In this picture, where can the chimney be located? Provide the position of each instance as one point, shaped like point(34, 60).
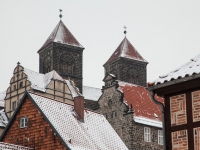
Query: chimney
point(79, 107)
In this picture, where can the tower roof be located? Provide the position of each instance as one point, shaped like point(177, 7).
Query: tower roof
point(126, 50)
point(62, 35)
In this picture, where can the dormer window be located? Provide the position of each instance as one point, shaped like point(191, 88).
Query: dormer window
point(23, 122)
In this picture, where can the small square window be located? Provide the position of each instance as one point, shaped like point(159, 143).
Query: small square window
point(147, 134)
point(160, 137)
point(14, 105)
point(23, 122)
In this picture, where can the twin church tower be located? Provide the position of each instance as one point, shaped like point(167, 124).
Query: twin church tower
point(63, 53)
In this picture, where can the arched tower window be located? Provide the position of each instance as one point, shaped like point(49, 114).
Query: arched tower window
point(47, 64)
point(133, 76)
point(66, 65)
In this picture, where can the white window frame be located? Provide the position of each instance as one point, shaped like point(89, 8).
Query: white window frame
point(160, 137)
point(147, 134)
point(23, 122)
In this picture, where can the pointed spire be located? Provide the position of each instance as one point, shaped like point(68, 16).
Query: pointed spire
point(126, 50)
point(62, 35)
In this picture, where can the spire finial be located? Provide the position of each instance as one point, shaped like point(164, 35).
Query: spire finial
point(125, 30)
point(60, 13)
point(18, 63)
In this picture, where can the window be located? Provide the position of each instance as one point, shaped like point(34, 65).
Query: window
point(105, 116)
point(20, 84)
point(114, 114)
point(14, 87)
point(160, 137)
point(147, 134)
point(23, 122)
point(14, 105)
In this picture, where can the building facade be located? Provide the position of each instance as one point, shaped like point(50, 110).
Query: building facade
point(181, 91)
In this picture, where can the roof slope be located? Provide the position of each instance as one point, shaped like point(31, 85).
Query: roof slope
point(144, 108)
point(94, 133)
point(126, 50)
point(188, 69)
point(62, 35)
point(91, 93)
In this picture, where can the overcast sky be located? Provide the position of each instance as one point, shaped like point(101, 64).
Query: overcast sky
point(165, 33)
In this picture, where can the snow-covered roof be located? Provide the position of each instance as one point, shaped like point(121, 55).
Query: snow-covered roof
point(126, 50)
point(188, 69)
point(147, 121)
point(3, 118)
point(62, 35)
point(74, 90)
point(2, 97)
point(94, 133)
point(40, 81)
point(8, 146)
point(91, 93)
point(143, 106)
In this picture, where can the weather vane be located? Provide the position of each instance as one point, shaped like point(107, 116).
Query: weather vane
point(125, 30)
point(60, 13)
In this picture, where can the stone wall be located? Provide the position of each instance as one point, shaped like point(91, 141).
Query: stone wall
point(131, 133)
point(128, 70)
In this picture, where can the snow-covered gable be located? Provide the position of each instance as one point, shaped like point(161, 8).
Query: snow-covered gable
point(145, 111)
point(94, 133)
point(40, 81)
point(126, 50)
point(188, 69)
point(91, 93)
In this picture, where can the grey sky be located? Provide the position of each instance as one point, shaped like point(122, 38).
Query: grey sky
point(165, 33)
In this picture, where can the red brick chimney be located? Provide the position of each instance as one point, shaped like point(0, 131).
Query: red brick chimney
point(79, 107)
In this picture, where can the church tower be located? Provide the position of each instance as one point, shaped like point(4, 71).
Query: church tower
point(127, 64)
point(63, 53)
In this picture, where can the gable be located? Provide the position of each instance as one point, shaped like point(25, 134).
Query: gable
point(38, 130)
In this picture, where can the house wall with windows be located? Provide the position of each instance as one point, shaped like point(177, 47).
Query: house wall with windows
point(36, 133)
point(136, 134)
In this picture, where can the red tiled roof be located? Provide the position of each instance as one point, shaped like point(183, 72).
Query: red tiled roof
point(141, 101)
point(126, 50)
point(62, 35)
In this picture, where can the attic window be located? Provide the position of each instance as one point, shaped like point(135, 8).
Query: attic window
point(14, 105)
point(23, 122)
point(20, 84)
point(14, 87)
